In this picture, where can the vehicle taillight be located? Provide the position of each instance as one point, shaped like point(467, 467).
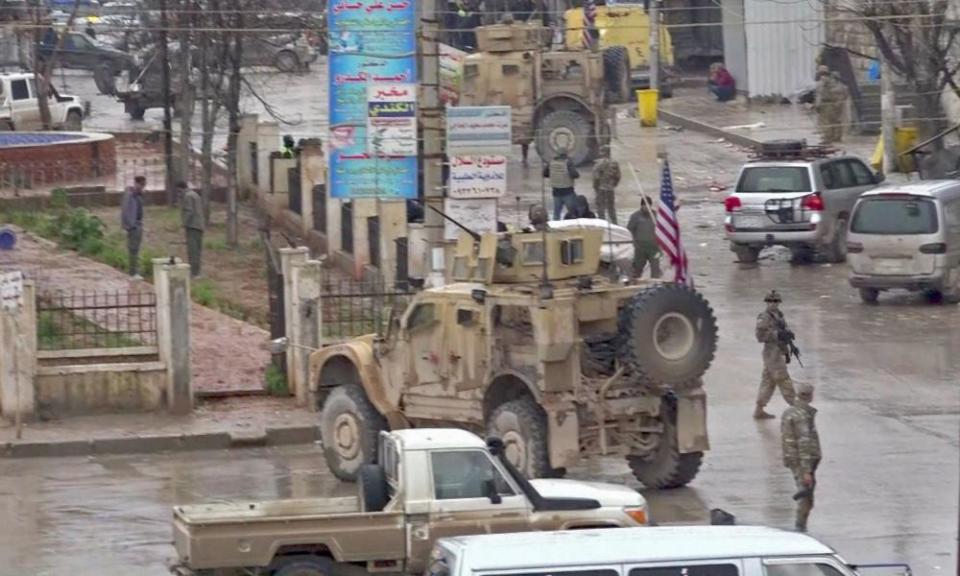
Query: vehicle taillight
point(854, 247)
point(937, 248)
point(812, 202)
point(731, 202)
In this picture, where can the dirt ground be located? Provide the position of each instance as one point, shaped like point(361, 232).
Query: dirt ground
point(233, 281)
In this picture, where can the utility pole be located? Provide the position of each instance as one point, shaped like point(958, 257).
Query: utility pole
point(654, 59)
point(431, 119)
point(888, 116)
point(167, 116)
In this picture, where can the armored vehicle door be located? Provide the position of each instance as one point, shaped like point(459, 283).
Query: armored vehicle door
point(422, 330)
point(467, 357)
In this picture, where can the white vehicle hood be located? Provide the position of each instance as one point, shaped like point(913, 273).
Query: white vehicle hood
point(612, 495)
point(617, 240)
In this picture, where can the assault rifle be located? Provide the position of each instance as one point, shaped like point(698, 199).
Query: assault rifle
point(785, 338)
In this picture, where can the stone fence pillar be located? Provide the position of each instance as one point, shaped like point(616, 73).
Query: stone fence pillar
point(18, 357)
point(172, 285)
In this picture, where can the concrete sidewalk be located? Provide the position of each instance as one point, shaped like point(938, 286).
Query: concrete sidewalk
point(748, 123)
point(228, 423)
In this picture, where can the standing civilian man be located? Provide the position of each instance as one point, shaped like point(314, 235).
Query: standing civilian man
point(192, 218)
point(131, 218)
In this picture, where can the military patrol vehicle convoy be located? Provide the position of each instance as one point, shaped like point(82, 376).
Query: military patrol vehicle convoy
point(529, 344)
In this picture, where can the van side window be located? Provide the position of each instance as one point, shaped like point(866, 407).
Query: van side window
point(861, 174)
point(802, 569)
point(951, 215)
point(688, 570)
point(463, 474)
point(19, 90)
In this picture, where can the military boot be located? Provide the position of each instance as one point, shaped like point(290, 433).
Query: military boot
point(761, 414)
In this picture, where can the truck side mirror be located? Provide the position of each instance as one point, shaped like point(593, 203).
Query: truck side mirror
point(490, 488)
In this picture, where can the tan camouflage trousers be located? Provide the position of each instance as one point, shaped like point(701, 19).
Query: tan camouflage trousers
point(830, 120)
point(805, 504)
point(606, 205)
point(771, 379)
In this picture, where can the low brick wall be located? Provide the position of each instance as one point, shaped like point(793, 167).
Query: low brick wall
point(45, 158)
point(100, 388)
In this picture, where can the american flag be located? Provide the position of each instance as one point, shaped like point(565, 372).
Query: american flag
point(668, 229)
point(589, 23)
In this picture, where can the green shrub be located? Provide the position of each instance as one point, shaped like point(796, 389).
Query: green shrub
point(204, 293)
point(276, 381)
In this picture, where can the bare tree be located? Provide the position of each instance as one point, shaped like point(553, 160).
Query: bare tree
point(43, 66)
point(916, 38)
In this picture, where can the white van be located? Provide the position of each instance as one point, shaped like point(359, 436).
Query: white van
point(907, 237)
point(654, 551)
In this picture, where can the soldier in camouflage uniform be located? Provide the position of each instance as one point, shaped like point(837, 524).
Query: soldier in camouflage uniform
point(801, 450)
point(643, 229)
point(831, 105)
point(769, 324)
point(606, 176)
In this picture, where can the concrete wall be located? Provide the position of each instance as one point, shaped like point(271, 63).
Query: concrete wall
point(735, 41)
point(99, 388)
point(783, 41)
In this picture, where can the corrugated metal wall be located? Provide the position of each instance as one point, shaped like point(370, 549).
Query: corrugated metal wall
point(783, 40)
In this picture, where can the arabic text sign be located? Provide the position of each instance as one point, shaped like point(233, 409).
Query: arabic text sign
point(479, 215)
point(478, 177)
point(372, 42)
point(451, 73)
point(478, 130)
point(392, 120)
point(11, 290)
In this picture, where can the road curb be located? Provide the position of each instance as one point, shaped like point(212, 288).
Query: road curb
point(708, 129)
point(281, 436)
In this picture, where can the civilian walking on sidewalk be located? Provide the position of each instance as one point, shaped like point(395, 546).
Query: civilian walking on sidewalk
point(192, 218)
point(562, 174)
point(131, 218)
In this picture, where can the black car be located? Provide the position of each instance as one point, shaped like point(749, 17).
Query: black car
point(78, 50)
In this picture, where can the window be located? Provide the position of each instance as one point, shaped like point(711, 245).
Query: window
point(471, 71)
point(775, 179)
point(466, 317)
point(464, 474)
point(511, 70)
point(895, 216)
point(862, 175)
point(802, 569)
point(19, 90)
point(533, 252)
point(422, 315)
point(571, 251)
point(460, 268)
point(951, 215)
point(841, 175)
point(688, 570)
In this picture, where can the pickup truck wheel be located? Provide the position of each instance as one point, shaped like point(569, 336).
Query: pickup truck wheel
point(303, 566)
point(745, 254)
point(666, 467)
point(74, 122)
point(349, 426)
point(869, 295)
point(668, 336)
point(372, 487)
point(522, 425)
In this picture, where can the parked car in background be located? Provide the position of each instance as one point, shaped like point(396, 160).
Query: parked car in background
point(21, 111)
point(907, 237)
point(653, 551)
point(795, 196)
point(78, 50)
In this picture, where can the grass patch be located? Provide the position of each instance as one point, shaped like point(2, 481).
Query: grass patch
point(276, 381)
point(61, 330)
point(205, 293)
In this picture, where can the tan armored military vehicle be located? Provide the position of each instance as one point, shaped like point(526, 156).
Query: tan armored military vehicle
point(530, 345)
point(560, 98)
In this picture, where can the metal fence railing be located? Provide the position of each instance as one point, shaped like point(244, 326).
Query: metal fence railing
point(350, 308)
point(86, 319)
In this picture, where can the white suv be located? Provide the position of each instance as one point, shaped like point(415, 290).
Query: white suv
point(797, 197)
point(19, 109)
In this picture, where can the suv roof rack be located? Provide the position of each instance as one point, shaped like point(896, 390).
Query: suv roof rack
point(790, 150)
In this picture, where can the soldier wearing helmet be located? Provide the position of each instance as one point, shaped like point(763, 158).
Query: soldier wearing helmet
point(801, 450)
point(606, 176)
point(770, 324)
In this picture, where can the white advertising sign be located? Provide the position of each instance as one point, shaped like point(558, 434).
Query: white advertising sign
point(11, 290)
point(478, 130)
point(392, 119)
point(479, 215)
point(478, 177)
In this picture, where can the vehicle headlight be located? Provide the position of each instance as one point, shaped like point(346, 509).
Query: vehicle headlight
point(637, 513)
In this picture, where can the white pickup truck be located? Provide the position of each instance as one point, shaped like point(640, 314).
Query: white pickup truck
point(20, 111)
point(429, 484)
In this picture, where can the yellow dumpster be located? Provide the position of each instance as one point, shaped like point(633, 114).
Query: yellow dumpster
point(647, 101)
point(904, 138)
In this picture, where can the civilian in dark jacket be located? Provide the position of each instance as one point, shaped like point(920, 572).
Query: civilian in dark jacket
point(131, 218)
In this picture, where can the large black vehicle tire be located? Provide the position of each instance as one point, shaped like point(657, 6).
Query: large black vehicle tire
point(349, 427)
point(372, 486)
point(134, 109)
point(105, 80)
point(669, 336)
point(616, 74)
point(667, 467)
point(74, 121)
point(522, 425)
point(746, 254)
point(570, 128)
point(303, 566)
point(837, 250)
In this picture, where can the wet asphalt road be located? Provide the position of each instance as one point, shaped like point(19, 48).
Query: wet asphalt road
point(889, 420)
